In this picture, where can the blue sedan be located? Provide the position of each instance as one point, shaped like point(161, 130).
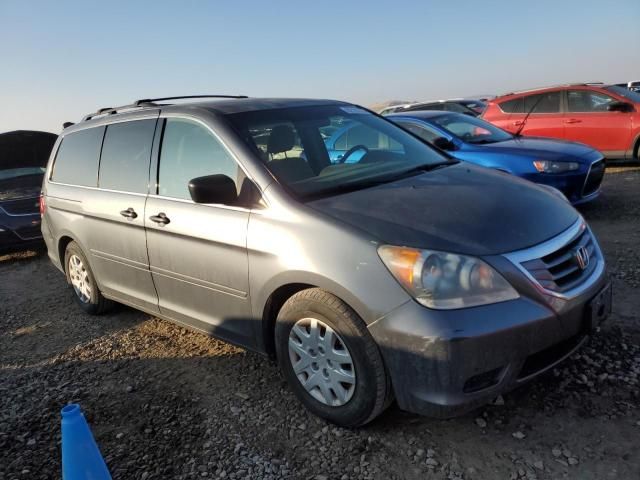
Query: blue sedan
point(573, 168)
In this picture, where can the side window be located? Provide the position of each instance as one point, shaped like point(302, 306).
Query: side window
point(588, 101)
point(189, 151)
point(513, 106)
point(543, 103)
point(76, 162)
point(126, 152)
point(421, 131)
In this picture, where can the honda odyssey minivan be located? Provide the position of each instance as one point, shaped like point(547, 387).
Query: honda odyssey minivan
point(404, 275)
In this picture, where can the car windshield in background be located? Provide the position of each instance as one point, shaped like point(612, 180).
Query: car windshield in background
point(20, 172)
point(624, 92)
point(324, 150)
point(471, 129)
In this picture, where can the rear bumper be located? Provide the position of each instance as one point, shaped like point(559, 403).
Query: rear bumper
point(19, 233)
point(445, 363)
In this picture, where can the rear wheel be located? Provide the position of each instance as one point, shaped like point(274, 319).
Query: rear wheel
point(83, 284)
point(330, 359)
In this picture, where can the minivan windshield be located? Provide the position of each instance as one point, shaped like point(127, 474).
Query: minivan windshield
point(324, 150)
point(471, 129)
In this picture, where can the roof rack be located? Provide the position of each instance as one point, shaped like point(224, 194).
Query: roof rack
point(575, 84)
point(150, 102)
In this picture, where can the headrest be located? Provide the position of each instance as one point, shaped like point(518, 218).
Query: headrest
point(281, 139)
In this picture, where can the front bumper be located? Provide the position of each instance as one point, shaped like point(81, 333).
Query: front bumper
point(445, 363)
point(579, 187)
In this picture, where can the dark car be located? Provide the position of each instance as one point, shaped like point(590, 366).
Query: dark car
point(23, 159)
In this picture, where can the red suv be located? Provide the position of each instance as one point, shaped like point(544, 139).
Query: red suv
point(606, 117)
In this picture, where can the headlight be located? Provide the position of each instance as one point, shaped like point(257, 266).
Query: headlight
point(546, 166)
point(445, 281)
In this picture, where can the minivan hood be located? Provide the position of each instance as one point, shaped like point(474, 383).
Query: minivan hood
point(540, 148)
point(461, 208)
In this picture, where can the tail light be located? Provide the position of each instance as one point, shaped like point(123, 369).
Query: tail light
point(43, 205)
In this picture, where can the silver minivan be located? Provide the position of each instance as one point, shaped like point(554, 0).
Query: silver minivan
point(394, 273)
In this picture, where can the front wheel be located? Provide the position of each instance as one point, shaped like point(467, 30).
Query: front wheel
point(82, 282)
point(330, 359)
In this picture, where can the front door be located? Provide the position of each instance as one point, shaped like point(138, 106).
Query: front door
point(587, 120)
point(198, 253)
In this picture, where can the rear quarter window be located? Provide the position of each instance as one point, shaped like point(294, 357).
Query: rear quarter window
point(76, 161)
point(512, 106)
point(126, 153)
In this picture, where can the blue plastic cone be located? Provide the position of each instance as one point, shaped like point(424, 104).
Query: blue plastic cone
point(81, 459)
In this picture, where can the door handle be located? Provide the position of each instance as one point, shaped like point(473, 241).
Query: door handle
point(129, 213)
point(573, 120)
point(160, 218)
point(517, 123)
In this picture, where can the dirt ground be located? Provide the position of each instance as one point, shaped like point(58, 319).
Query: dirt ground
point(164, 402)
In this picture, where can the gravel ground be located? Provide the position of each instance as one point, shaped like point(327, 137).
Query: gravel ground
point(164, 402)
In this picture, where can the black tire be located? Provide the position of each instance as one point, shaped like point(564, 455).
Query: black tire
point(96, 304)
point(372, 392)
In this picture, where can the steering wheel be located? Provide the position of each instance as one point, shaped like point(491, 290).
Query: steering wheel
point(355, 148)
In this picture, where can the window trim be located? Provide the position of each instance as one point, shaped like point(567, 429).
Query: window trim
point(499, 104)
point(155, 131)
point(56, 147)
point(590, 91)
point(155, 163)
point(559, 112)
point(99, 122)
point(523, 98)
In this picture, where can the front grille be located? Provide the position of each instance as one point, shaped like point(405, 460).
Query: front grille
point(559, 271)
point(594, 179)
point(24, 206)
point(27, 233)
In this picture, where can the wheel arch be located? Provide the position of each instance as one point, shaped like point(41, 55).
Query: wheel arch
point(63, 242)
point(272, 307)
point(284, 287)
point(636, 148)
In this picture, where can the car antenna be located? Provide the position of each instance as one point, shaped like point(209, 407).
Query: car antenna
point(526, 117)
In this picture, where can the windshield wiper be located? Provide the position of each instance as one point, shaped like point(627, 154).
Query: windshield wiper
point(352, 187)
point(482, 141)
point(427, 167)
point(345, 188)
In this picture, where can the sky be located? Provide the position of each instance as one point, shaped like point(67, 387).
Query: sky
point(60, 60)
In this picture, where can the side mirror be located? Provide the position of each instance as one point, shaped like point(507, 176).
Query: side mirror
point(213, 189)
point(620, 107)
point(443, 144)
